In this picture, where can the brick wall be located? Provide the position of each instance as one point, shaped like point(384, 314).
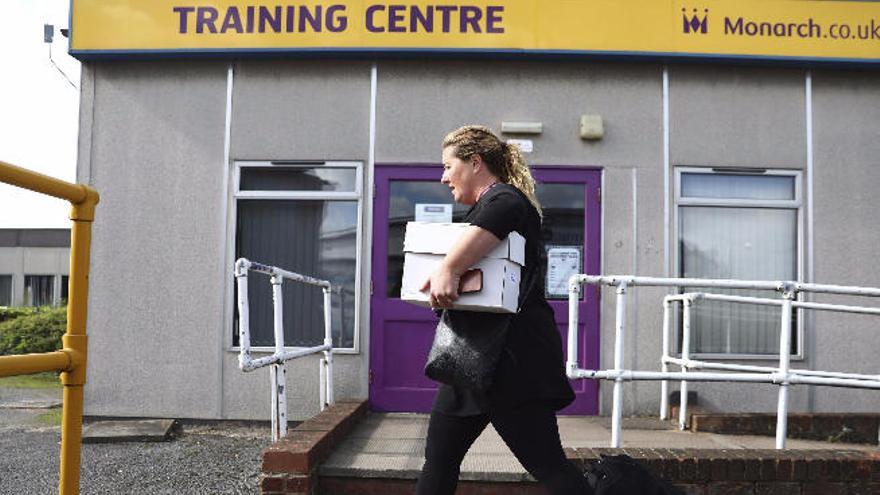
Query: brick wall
point(756, 472)
point(289, 465)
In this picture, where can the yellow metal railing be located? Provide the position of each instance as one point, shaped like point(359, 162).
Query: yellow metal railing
point(71, 360)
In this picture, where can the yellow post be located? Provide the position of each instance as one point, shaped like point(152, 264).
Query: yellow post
point(71, 360)
point(75, 341)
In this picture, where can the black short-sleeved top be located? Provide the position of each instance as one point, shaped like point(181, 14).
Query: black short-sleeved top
point(531, 365)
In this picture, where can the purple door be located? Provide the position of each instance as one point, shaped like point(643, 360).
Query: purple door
point(401, 333)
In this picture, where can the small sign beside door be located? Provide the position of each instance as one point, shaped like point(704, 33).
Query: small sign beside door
point(562, 263)
point(433, 212)
point(525, 145)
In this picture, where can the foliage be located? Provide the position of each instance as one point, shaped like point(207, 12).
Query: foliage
point(33, 330)
point(13, 312)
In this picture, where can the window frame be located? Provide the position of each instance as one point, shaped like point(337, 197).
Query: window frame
point(236, 194)
point(786, 204)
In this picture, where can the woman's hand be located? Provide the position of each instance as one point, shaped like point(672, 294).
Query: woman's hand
point(442, 287)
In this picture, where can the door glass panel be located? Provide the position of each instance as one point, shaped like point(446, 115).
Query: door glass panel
point(562, 231)
point(403, 197)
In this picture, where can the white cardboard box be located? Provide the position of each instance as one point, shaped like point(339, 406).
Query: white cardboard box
point(425, 245)
point(438, 238)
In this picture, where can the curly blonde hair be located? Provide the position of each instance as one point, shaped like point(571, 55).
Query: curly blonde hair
point(504, 160)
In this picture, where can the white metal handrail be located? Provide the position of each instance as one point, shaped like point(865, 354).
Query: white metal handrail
point(277, 371)
point(783, 375)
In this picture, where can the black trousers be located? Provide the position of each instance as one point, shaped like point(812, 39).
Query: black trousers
point(531, 433)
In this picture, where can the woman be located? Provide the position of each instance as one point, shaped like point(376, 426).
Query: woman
point(529, 384)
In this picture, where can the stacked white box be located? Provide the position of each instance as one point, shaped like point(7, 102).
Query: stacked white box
point(425, 246)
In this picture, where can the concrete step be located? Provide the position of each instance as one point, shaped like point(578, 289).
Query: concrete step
point(858, 428)
point(346, 451)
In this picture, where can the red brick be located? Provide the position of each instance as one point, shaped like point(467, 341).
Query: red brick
point(687, 468)
point(767, 468)
point(736, 468)
point(271, 484)
point(824, 488)
point(798, 469)
point(857, 469)
point(718, 468)
point(364, 486)
point(704, 468)
point(815, 470)
point(777, 488)
point(731, 488)
point(875, 466)
point(299, 484)
point(751, 466)
point(863, 488)
point(691, 488)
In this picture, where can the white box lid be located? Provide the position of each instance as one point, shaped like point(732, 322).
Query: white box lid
point(438, 238)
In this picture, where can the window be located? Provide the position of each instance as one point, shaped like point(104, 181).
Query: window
point(738, 225)
point(5, 290)
point(302, 218)
point(39, 290)
point(65, 285)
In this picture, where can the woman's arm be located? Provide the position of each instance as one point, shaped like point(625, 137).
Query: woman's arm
point(473, 244)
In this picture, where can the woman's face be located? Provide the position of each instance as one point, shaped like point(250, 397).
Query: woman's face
point(458, 175)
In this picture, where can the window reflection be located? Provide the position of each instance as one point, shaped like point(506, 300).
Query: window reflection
point(282, 233)
point(298, 178)
point(404, 195)
point(562, 227)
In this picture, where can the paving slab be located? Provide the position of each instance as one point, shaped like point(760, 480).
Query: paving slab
point(28, 398)
point(391, 445)
point(141, 430)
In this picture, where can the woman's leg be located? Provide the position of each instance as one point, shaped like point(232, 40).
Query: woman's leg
point(449, 438)
point(531, 433)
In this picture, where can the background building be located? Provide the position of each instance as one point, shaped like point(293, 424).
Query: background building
point(34, 264)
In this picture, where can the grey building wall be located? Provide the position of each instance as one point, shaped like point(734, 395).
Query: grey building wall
point(846, 108)
point(152, 142)
point(153, 148)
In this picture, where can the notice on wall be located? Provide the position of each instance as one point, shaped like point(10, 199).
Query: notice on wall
point(562, 263)
point(525, 145)
point(433, 212)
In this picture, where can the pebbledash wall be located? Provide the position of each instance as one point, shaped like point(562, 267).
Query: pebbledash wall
point(153, 142)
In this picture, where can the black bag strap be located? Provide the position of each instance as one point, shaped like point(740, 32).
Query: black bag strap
point(529, 288)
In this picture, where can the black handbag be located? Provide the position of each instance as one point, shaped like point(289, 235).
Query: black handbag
point(467, 346)
point(623, 475)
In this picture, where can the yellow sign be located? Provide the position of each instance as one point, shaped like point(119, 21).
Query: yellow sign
point(834, 31)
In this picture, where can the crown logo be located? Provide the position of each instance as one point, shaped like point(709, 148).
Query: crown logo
point(694, 24)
